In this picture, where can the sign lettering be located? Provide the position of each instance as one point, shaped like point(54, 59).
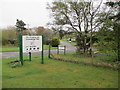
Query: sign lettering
point(32, 43)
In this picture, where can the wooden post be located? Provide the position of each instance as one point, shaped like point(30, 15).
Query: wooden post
point(64, 49)
point(58, 50)
point(49, 52)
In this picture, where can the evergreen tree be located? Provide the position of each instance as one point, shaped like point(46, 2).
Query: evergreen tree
point(20, 26)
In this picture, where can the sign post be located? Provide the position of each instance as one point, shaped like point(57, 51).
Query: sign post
point(32, 44)
point(42, 50)
point(30, 56)
point(20, 49)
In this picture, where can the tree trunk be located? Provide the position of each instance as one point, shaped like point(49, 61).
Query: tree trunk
point(79, 43)
point(91, 33)
point(117, 40)
point(85, 44)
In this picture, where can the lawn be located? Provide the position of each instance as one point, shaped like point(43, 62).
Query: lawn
point(15, 48)
point(56, 74)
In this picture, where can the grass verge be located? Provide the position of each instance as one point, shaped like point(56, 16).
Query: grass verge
point(98, 61)
point(56, 74)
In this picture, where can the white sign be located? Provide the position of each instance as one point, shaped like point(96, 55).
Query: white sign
point(61, 47)
point(32, 43)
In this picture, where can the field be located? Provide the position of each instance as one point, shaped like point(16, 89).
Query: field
point(56, 74)
point(15, 48)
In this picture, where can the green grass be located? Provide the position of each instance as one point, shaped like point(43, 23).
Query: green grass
point(8, 48)
point(82, 57)
point(97, 60)
point(15, 48)
point(56, 74)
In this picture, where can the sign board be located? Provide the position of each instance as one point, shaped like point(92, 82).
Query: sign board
point(60, 47)
point(32, 43)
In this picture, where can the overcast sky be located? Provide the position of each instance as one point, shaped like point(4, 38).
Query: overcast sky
point(32, 12)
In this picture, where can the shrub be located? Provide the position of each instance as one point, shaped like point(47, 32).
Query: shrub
point(55, 42)
point(8, 35)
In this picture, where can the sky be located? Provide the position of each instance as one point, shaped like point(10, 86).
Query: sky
point(32, 12)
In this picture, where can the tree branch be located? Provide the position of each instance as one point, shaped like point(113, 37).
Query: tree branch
point(70, 22)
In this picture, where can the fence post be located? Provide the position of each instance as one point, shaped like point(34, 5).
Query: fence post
point(49, 52)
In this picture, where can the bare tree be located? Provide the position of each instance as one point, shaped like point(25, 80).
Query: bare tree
point(81, 16)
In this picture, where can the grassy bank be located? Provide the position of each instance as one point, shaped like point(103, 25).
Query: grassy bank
point(99, 60)
point(56, 74)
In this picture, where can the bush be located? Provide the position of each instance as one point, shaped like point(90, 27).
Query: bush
point(55, 42)
point(8, 35)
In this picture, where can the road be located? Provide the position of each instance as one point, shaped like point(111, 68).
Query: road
point(69, 48)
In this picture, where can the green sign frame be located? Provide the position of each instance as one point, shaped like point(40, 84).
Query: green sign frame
point(21, 50)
